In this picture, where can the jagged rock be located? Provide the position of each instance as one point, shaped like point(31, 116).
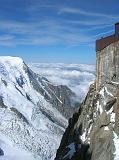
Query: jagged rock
point(111, 101)
point(92, 132)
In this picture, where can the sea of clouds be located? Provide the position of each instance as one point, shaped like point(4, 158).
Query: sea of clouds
point(77, 77)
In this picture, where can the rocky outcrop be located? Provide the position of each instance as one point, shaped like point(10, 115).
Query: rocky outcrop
point(93, 131)
point(2, 105)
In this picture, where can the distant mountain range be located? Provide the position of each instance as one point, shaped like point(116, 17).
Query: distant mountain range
point(77, 77)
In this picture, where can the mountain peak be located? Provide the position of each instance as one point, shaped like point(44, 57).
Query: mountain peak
point(33, 111)
point(13, 61)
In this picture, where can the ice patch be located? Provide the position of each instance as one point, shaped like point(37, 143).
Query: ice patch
point(99, 107)
point(83, 136)
point(106, 128)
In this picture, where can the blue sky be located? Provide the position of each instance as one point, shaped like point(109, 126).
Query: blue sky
point(55, 30)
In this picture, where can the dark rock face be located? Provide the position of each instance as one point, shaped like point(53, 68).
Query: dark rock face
point(2, 105)
point(1, 152)
point(19, 115)
point(92, 130)
point(73, 133)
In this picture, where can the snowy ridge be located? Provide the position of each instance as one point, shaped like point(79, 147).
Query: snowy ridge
point(27, 119)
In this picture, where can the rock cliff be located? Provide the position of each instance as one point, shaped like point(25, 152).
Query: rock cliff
point(93, 131)
point(107, 64)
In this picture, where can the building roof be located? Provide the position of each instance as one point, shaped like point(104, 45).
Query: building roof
point(117, 23)
point(106, 41)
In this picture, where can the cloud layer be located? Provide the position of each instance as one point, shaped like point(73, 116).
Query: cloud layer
point(77, 77)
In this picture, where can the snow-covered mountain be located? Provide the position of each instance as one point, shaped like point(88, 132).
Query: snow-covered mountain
point(77, 77)
point(30, 124)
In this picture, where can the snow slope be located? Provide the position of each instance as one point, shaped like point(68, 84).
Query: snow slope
point(33, 127)
point(11, 152)
point(77, 77)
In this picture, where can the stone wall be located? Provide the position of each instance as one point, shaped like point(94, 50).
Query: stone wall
point(107, 65)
